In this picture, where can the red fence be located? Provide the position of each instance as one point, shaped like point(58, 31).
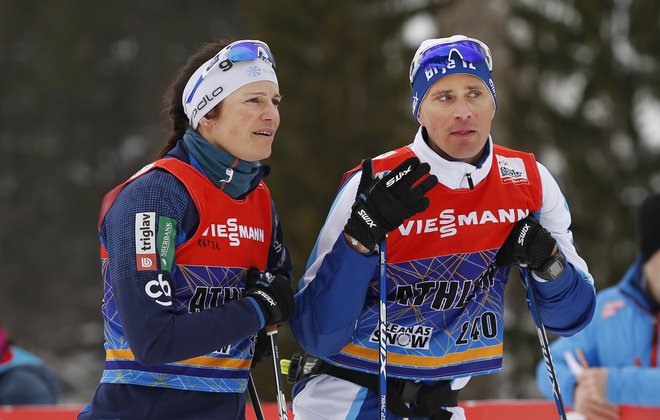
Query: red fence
point(475, 410)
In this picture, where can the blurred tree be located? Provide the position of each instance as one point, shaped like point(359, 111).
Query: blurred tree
point(582, 93)
point(343, 70)
point(343, 73)
point(586, 80)
point(81, 99)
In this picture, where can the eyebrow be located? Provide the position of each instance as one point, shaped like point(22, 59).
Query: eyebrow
point(467, 87)
point(261, 93)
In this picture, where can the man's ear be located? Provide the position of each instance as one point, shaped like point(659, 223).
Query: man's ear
point(420, 120)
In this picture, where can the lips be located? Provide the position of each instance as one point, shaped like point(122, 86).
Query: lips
point(264, 132)
point(463, 132)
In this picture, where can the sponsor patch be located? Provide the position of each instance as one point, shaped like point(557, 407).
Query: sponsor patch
point(512, 170)
point(165, 242)
point(145, 241)
point(234, 231)
point(160, 291)
point(448, 222)
point(407, 337)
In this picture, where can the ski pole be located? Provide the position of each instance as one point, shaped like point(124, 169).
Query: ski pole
point(545, 346)
point(271, 331)
point(254, 397)
point(382, 331)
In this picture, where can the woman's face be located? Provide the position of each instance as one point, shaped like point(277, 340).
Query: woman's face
point(247, 122)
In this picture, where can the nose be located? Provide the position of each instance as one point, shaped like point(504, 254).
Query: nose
point(270, 112)
point(462, 110)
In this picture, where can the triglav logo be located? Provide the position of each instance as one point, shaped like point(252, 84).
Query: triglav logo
point(234, 231)
point(145, 241)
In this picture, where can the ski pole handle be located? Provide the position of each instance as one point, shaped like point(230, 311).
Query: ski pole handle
point(271, 331)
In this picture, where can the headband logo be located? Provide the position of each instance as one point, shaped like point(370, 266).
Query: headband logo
point(206, 99)
point(263, 55)
point(254, 71)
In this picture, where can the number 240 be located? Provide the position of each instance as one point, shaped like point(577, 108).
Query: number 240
point(485, 324)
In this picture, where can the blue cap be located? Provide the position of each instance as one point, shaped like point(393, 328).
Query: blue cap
point(437, 58)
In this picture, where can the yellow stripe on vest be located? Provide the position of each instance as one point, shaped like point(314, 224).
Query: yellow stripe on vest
point(195, 361)
point(425, 361)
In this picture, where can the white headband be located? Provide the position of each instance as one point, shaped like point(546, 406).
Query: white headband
point(218, 78)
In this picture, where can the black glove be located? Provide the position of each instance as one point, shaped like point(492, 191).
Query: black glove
point(262, 348)
point(530, 243)
point(272, 293)
point(381, 205)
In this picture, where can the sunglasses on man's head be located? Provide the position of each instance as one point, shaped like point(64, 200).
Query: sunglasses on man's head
point(470, 50)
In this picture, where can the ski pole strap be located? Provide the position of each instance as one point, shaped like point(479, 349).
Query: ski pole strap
point(426, 400)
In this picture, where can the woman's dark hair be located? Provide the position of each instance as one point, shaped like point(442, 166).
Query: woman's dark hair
point(173, 108)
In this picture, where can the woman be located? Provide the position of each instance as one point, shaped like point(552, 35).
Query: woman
point(185, 242)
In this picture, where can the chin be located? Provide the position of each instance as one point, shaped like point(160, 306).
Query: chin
point(465, 156)
point(261, 156)
point(266, 154)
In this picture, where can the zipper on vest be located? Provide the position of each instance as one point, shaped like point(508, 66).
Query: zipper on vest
point(469, 180)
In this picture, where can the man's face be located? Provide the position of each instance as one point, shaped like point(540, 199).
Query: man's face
point(652, 275)
point(457, 112)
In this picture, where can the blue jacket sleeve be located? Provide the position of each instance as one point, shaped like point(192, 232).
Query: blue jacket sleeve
point(620, 333)
point(328, 307)
point(633, 385)
point(156, 333)
point(566, 305)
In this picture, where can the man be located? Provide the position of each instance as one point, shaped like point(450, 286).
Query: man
point(451, 201)
point(614, 360)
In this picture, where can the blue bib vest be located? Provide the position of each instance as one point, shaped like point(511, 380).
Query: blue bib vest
point(445, 295)
point(209, 270)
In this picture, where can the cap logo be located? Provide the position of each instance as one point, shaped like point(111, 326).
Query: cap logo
point(430, 72)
